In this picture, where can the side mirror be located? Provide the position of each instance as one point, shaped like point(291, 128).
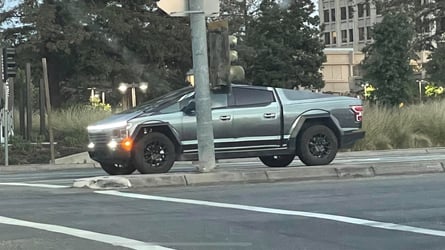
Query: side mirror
point(190, 108)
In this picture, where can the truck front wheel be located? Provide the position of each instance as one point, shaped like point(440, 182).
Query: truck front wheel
point(154, 153)
point(317, 145)
point(277, 161)
point(117, 169)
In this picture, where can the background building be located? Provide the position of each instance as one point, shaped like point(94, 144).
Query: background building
point(347, 28)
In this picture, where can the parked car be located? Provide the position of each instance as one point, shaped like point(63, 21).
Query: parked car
point(273, 124)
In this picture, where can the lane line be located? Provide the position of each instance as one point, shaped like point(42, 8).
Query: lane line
point(89, 235)
point(22, 184)
point(338, 218)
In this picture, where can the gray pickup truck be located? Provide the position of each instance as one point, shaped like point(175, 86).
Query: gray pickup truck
point(273, 124)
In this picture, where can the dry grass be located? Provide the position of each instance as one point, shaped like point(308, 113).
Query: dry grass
point(421, 125)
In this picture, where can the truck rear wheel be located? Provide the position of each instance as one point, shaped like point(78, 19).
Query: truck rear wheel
point(317, 145)
point(154, 153)
point(117, 169)
point(277, 161)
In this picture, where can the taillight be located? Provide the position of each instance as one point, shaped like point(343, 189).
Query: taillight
point(358, 112)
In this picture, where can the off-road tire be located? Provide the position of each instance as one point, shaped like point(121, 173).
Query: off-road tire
point(277, 161)
point(317, 145)
point(118, 169)
point(154, 154)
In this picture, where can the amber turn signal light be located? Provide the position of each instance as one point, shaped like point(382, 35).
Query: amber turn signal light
point(127, 144)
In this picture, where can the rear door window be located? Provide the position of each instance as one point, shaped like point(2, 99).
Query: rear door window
point(251, 97)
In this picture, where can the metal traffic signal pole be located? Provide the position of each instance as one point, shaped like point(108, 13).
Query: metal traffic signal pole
point(204, 129)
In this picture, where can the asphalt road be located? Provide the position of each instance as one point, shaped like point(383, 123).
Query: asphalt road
point(66, 176)
point(378, 213)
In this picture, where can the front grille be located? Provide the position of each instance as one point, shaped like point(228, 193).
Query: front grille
point(99, 138)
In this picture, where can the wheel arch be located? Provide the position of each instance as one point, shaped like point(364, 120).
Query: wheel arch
point(306, 120)
point(163, 128)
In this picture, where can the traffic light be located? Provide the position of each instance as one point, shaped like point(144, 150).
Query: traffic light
point(219, 57)
point(223, 57)
point(9, 64)
point(237, 73)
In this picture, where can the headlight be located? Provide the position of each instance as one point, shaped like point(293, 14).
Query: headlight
point(114, 125)
point(112, 144)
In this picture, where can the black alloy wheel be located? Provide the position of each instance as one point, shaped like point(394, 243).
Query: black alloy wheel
point(155, 153)
point(317, 145)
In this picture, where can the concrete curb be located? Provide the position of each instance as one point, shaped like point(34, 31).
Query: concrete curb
point(264, 176)
point(82, 160)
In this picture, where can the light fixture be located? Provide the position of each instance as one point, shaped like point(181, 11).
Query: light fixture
point(190, 77)
point(143, 86)
point(123, 87)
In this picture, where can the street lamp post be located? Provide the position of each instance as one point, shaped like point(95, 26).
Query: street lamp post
point(143, 86)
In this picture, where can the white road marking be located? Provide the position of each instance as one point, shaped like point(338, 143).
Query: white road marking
point(89, 235)
point(344, 219)
point(22, 184)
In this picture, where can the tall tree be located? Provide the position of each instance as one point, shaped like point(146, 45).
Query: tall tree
point(101, 43)
point(287, 50)
point(386, 62)
point(428, 16)
point(436, 67)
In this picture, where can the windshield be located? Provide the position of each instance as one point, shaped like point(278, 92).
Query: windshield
point(161, 101)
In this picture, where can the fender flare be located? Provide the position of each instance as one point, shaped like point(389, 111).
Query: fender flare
point(297, 125)
point(158, 126)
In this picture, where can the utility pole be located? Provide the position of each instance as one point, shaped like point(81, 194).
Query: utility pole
point(28, 102)
point(206, 147)
point(48, 111)
point(6, 123)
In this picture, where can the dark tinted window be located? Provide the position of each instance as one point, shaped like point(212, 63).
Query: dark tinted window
point(326, 16)
point(251, 97)
point(344, 36)
point(327, 38)
point(302, 94)
point(361, 34)
point(343, 13)
point(350, 12)
point(218, 100)
point(361, 10)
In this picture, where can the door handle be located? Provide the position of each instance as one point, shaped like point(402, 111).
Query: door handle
point(269, 115)
point(225, 118)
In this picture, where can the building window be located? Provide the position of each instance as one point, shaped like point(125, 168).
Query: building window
point(333, 15)
point(326, 16)
point(441, 26)
point(361, 34)
point(368, 33)
point(361, 10)
point(327, 38)
point(378, 8)
point(351, 35)
point(344, 36)
point(368, 9)
point(350, 12)
point(334, 37)
point(343, 13)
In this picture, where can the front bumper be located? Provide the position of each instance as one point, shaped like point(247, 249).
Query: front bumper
point(106, 155)
point(348, 139)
